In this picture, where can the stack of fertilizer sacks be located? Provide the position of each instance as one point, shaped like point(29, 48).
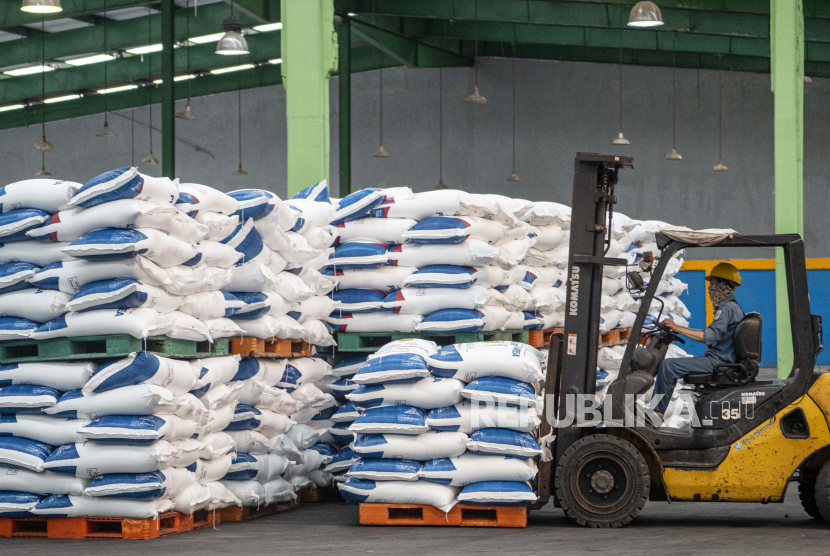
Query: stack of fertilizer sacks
point(143, 434)
point(441, 426)
point(438, 261)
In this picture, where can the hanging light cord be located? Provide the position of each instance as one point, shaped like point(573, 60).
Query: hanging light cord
point(105, 62)
point(673, 109)
point(42, 78)
point(381, 105)
point(621, 76)
point(239, 104)
point(187, 27)
point(475, 66)
point(150, 70)
point(440, 125)
point(513, 107)
point(720, 113)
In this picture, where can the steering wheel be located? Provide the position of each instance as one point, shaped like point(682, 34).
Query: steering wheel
point(670, 332)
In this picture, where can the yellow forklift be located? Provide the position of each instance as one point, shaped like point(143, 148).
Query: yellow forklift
point(754, 437)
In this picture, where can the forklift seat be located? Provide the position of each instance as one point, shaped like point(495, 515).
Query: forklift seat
point(747, 343)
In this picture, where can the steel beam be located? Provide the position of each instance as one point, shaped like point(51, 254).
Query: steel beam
point(168, 66)
point(787, 30)
point(409, 52)
point(127, 70)
point(11, 15)
point(344, 70)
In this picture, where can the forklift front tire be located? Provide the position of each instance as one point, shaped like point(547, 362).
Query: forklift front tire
point(602, 481)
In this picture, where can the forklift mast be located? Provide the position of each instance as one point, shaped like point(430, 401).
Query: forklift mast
point(592, 205)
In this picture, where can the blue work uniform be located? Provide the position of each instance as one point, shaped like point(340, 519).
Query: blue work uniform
point(718, 340)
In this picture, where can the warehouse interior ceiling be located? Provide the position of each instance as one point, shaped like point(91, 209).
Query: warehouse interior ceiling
point(731, 34)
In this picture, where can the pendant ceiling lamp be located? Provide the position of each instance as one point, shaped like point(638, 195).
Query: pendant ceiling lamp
point(476, 97)
point(233, 42)
point(381, 152)
point(620, 139)
point(187, 114)
point(150, 159)
point(41, 6)
point(645, 14)
point(239, 171)
point(105, 131)
point(441, 184)
point(673, 155)
point(513, 176)
point(720, 166)
point(43, 145)
point(43, 172)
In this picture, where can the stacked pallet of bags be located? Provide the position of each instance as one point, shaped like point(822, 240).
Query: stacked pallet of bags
point(118, 440)
point(113, 258)
point(277, 452)
point(438, 261)
point(281, 286)
point(445, 426)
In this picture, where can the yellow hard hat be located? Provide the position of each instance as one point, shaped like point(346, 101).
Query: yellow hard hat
point(725, 271)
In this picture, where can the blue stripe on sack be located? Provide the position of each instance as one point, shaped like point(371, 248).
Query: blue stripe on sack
point(290, 375)
point(505, 437)
point(439, 223)
point(446, 353)
point(28, 390)
point(357, 362)
point(244, 425)
point(22, 285)
point(260, 209)
point(357, 250)
point(194, 260)
point(325, 414)
point(463, 286)
point(44, 282)
point(110, 236)
point(17, 324)
point(12, 497)
point(129, 422)
point(132, 301)
point(10, 269)
point(319, 192)
point(241, 475)
point(501, 289)
point(248, 367)
point(394, 414)
point(54, 502)
point(153, 478)
point(386, 466)
point(357, 296)
point(65, 452)
point(131, 186)
point(345, 454)
point(500, 385)
point(9, 218)
point(530, 316)
point(243, 411)
point(104, 286)
point(445, 269)
point(143, 366)
point(147, 495)
point(294, 314)
point(294, 271)
point(498, 486)
point(346, 411)
point(450, 412)
point(251, 244)
point(40, 450)
point(358, 205)
point(298, 225)
point(352, 497)
point(323, 449)
point(392, 362)
point(451, 315)
point(53, 325)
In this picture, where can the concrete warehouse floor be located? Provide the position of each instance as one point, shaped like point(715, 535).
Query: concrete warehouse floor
point(666, 529)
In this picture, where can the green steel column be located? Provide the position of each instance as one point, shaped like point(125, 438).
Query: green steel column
point(787, 51)
point(309, 56)
point(168, 119)
point(344, 65)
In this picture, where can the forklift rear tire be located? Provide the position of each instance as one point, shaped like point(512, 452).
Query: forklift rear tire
point(807, 492)
point(823, 492)
point(602, 481)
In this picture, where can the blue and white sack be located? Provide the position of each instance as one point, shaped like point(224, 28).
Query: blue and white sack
point(472, 468)
point(42, 428)
point(348, 367)
point(384, 278)
point(17, 504)
point(34, 252)
point(15, 224)
point(45, 483)
point(206, 199)
point(391, 367)
point(214, 371)
point(116, 244)
point(254, 203)
point(341, 461)
point(385, 470)
point(26, 398)
point(141, 399)
point(247, 241)
point(426, 301)
point(71, 276)
point(45, 194)
point(14, 276)
point(122, 293)
point(140, 486)
point(125, 183)
point(358, 300)
point(22, 452)
point(498, 493)
point(341, 388)
point(245, 418)
point(373, 322)
point(61, 505)
point(13, 328)
point(501, 391)
point(302, 370)
point(142, 367)
point(426, 393)
point(442, 276)
point(214, 304)
point(474, 360)
point(455, 229)
point(261, 468)
point(495, 441)
point(62, 376)
point(91, 459)
point(346, 413)
point(398, 419)
point(358, 255)
point(388, 231)
point(470, 253)
point(259, 304)
point(399, 492)
point(138, 430)
point(422, 447)
point(358, 205)
point(452, 320)
point(33, 304)
point(469, 417)
point(341, 432)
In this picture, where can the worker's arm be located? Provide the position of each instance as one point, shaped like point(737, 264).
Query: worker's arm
point(691, 333)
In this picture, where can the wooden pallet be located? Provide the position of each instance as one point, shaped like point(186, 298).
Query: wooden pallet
point(105, 527)
point(461, 515)
point(235, 513)
point(372, 341)
point(273, 347)
point(541, 338)
point(100, 347)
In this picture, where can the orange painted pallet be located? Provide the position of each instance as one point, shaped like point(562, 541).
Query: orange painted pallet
point(273, 347)
point(105, 527)
point(541, 338)
point(235, 513)
point(461, 515)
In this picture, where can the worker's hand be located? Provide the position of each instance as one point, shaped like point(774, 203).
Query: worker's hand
point(670, 325)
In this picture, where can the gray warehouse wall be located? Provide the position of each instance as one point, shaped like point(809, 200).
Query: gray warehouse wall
point(561, 108)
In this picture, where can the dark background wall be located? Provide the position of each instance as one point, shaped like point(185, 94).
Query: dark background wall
point(561, 108)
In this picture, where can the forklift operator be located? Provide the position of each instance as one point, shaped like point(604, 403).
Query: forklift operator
point(723, 280)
